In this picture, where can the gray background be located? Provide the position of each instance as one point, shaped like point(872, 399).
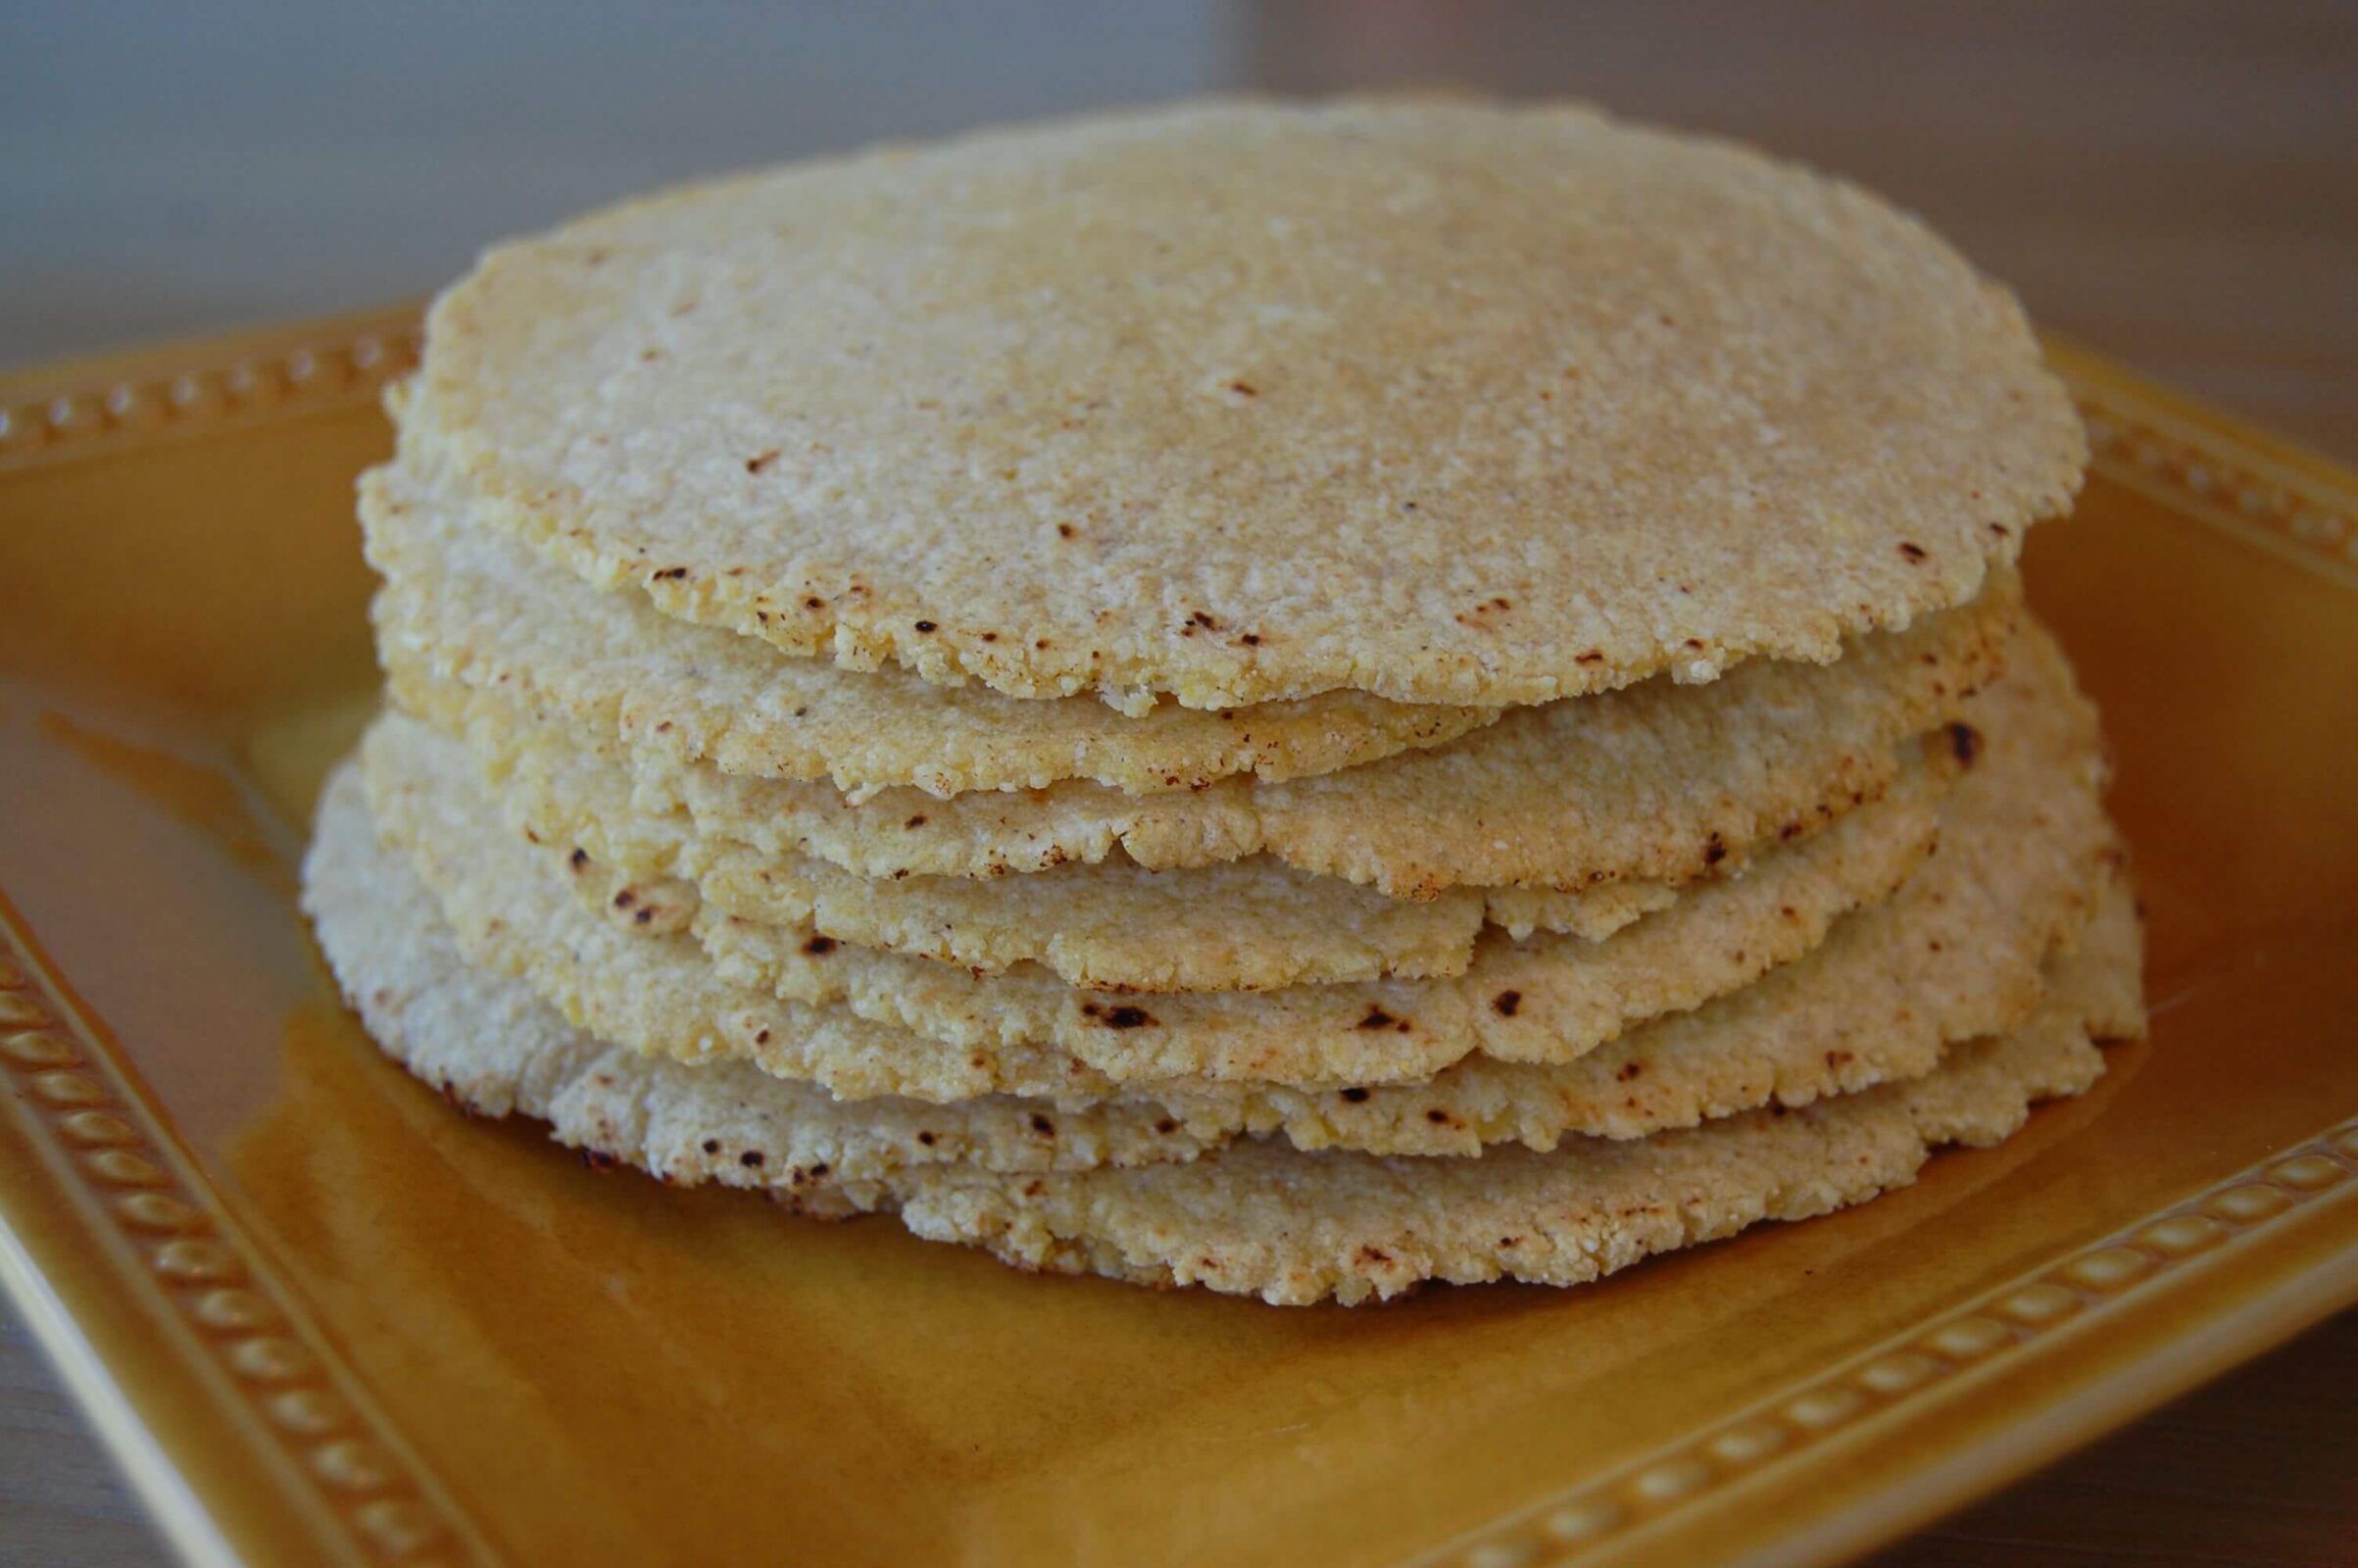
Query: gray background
point(175, 167)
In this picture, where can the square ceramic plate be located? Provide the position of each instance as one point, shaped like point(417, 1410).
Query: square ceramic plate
point(323, 1318)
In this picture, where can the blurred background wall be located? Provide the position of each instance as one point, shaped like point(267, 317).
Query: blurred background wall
point(2173, 180)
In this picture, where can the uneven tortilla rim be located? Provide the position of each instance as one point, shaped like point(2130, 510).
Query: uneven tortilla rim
point(739, 1017)
point(1309, 740)
point(1082, 1254)
point(345, 820)
point(392, 972)
point(726, 873)
point(2083, 1006)
point(728, 1030)
point(532, 511)
point(1988, 635)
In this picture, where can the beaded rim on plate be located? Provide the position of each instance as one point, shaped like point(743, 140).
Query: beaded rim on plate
point(201, 1279)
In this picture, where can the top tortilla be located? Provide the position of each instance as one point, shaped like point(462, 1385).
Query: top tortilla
point(1238, 401)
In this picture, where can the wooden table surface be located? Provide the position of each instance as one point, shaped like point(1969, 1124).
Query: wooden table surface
point(2175, 183)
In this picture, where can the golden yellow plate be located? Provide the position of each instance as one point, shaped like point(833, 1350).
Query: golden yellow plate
point(323, 1318)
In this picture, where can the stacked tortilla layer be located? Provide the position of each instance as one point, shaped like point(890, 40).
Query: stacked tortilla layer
point(1177, 797)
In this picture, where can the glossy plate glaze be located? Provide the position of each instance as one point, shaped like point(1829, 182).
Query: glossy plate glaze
point(324, 1318)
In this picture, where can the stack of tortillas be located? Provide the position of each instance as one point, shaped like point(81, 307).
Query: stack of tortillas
point(1293, 699)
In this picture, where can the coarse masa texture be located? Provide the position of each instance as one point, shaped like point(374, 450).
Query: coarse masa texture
point(1658, 782)
point(492, 1045)
point(1254, 1217)
point(507, 898)
point(1235, 925)
point(1296, 698)
point(1448, 402)
point(1542, 1041)
point(481, 614)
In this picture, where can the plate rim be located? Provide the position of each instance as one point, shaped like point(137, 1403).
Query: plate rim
point(124, 1258)
point(97, 1197)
